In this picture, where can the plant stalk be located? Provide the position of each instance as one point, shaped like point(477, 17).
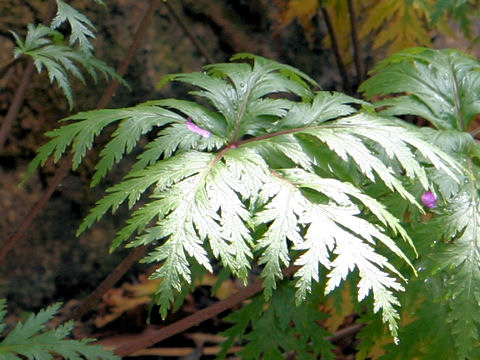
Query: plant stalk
point(16, 237)
point(149, 338)
point(16, 104)
point(357, 52)
point(336, 51)
point(112, 278)
point(200, 47)
point(127, 59)
point(7, 66)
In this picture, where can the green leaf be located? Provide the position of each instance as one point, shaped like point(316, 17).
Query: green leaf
point(241, 320)
point(82, 29)
point(449, 282)
point(278, 327)
point(32, 341)
point(460, 222)
point(45, 46)
point(447, 291)
point(162, 174)
point(397, 24)
point(464, 13)
point(136, 122)
point(433, 341)
point(280, 177)
point(282, 211)
point(346, 137)
point(172, 139)
point(324, 106)
point(441, 86)
point(370, 334)
point(81, 134)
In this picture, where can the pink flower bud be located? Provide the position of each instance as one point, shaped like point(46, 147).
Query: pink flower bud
point(429, 199)
point(197, 129)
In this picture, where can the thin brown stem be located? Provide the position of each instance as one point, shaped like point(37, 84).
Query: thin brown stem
point(149, 338)
point(357, 52)
point(112, 278)
point(133, 257)
point(16, 104)
point(201, 49)
point(5, 67)
point(336, 50)
point(127, 60)
point(475, 132)
point(346, 332)
point(21, 92)
point(16, 237)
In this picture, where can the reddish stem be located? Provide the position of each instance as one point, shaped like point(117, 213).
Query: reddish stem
point(112, 278)
point(149, 338)
point(127, 60)
point(16, 237)
point(200, 47)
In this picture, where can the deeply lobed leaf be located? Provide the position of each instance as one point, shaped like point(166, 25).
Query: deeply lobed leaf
point(30, 340)
point(441, 86)
point(45, 46)
point(244, 178)
point(82, 29)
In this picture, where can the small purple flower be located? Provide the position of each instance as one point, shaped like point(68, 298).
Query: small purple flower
point(429, 199)
point(197, 129)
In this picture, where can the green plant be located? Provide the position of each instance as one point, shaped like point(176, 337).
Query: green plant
point(47, 49)
point(46, 46)
point(30, 340)
point(263, 171)
point(440, 86)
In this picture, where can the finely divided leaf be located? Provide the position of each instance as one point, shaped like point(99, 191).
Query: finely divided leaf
point(285, 204)
point(137, 122)
point(242, 179)
point(324, 106)
point(163, 175)
point(45, 46)
point(278, 327)
point(31, 340)
point(174, 139)
point(441, 86)
point(336, 228)
point(397, 24)
point(81, 27)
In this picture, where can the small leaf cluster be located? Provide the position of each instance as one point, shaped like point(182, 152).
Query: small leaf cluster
point(46, 46)
point(260, 171)
point(31, 340)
